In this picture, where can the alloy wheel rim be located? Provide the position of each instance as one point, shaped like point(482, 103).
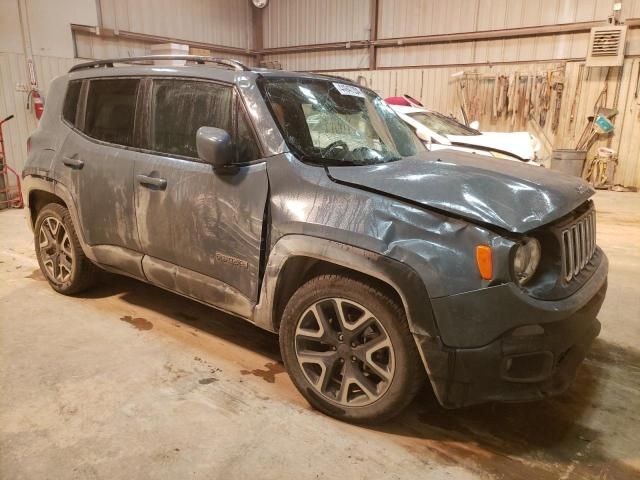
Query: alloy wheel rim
point(55, 250)
point(344, 352)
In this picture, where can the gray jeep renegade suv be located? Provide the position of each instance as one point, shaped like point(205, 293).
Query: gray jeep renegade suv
point(303, 204)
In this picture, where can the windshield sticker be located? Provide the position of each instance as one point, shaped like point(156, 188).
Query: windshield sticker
point(348, 90)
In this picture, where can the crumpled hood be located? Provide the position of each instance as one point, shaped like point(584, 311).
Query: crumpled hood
point(516, 143)
point(515, 197)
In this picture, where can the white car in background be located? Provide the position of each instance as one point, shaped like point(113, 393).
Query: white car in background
point(438, 132)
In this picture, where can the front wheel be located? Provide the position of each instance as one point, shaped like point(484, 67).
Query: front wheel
point(349, 351)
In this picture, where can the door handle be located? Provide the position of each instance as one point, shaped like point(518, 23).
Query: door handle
point(73, 163)
point(153, 183)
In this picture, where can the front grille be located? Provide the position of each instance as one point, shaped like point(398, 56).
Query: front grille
point(578, 245)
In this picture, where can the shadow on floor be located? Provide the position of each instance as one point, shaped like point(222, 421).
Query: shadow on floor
point(187, 311)
point(544, 439)
point(522, 441)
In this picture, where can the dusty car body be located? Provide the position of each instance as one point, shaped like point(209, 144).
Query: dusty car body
point(245, 236)
point(445, 132)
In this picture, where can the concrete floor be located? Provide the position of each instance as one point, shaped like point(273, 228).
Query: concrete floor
point(129, 381)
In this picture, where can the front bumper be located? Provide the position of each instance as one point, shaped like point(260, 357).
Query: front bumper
point(518, 365)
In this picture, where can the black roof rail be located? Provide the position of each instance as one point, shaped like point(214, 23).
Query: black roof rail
point(233, 64)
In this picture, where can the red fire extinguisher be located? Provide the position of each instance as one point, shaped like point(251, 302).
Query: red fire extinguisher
point(35, 99)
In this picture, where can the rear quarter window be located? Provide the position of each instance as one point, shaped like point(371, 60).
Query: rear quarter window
point(70, 108)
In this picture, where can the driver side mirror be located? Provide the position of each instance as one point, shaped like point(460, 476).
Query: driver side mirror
point(425, 136)
point(215, 147)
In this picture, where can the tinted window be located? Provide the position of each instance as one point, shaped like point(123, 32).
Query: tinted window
point(71, 101)
point(110, 112)
point(246, 146)
point(180, 108)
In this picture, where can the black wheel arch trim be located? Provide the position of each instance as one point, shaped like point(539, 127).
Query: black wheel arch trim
point(400, 277)
point(31, 184)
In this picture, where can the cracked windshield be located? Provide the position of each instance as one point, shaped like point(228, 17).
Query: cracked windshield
point(332, 123)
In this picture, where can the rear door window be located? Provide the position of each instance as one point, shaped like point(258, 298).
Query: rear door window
point(179, 108)
point(111, 108)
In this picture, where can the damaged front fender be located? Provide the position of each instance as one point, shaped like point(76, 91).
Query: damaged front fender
point(402, 278)
point(439, 248)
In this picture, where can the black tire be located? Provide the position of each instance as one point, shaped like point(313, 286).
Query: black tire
point(82, 273)
point(408, 375)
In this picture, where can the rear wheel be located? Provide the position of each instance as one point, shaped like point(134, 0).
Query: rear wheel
point(348, 349)
point(59, 254)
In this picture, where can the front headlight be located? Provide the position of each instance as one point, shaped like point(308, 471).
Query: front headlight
point(526, 259)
